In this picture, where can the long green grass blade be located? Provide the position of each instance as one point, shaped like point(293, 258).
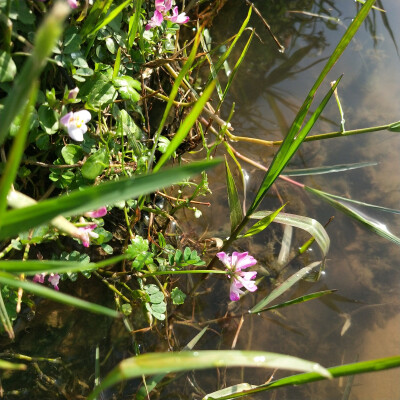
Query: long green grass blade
point(185, 127)
point(133, 28)
point(327, 169)
point(235, 209)
point(286, 152)
point(174, 91)
point(80, 201)
point(361, 203)
point(363, 367)
point(9, 365)
point(153, 381)
point(284, 287)
point(51, 294)
point(45, 41)
point(109, 17)
point(263, 223)
point(300, 299)
point(31, 267)
point(370, 223)
point(14, 158)
point(97, 12)
point(313, 227)
point(175, 362)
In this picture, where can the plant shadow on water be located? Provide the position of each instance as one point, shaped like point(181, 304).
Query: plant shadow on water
point(358, 322)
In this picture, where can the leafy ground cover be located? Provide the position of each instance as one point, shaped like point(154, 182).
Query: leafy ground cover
point(101, 105)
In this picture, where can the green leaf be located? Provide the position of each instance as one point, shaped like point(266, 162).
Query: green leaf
point(368, 222)
point(52, 294)
point(236, 213)
point(138, 246)
point(284, 287)
point(156, 363)
point(327, 169)
point(79, 201)
point(177, 296)
point(263, 224)
point(300, 299)
point(95, 164)
point(98, 90)
point(313, 227)
point(45, 40)
point(8, 68)
point(48, 119)
point(336, 372)
point(72, 153)
point(127, 87)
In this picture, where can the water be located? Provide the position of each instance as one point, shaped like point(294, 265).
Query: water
point(360, 321)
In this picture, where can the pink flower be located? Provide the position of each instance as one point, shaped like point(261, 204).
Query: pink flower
point(73, 3)
point(54, 279)
point(73, 93)
point(239, 279)
point(156, 20)
point(76, 124)
point(178, 19)
point(162, 7)
point(87, 234)
point(101, 212)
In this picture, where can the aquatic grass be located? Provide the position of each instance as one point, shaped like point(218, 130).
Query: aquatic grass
point(80, 201)
point(152, 363)
point(362, 367)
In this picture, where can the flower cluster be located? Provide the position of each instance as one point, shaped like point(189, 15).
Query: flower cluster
point(76, 124)
point(162, 8)
point(235, 265)
point(54, 279)
point(87, 231)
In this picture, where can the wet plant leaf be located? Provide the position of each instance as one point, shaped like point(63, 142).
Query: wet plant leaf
point(327, 170)
point(236, 214)
point(336, 372)
point(80, 201)
point(370, 223)
point(310, 225)
point(151, 363)
point(284, 287)
point(263, 223)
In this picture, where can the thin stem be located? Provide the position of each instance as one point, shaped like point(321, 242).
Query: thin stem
point(185, 272)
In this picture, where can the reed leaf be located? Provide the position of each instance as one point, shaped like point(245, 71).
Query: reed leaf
point(371, 224)
point(80, 201)
point(300, 299)
point(362, 367)
point(51, 294)
point(263, 223)
point(185, 127)
point(235, 209)
point(284, 287)
point(313, 227)
point(327, 169)
point(151, 363)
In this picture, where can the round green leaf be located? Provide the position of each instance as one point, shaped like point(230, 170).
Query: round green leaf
point(72, 153)
point(95, 164)
point(7, 67)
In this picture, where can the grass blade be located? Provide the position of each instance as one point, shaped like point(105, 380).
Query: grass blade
point(45, 41)
point(338, 371)
point(313, 227)
point(236, 213)
point(80, 201)
point(327, 169)
point(133, 27)
point(17, 150)
point(185, 127)
point(300, 299)
point(175, 362)
point(51, 294)
point(263, 223)
point(371, 224)
point(284, 287)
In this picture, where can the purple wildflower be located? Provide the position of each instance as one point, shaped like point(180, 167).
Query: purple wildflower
point(101, 212)
point(54, 279)
point(239, 279)
point(162, 7)
point(76, 124)
point(87, 233)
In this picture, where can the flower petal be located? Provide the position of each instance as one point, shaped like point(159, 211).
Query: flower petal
point(83, 115)
point(66, 118)
point(235, 292)
point(249, 285)
point(156, 20)
point(225, 259)
point(242, 260)
point(101, 212)
point(54, 279)
point(76, 134)
point(178, 19)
